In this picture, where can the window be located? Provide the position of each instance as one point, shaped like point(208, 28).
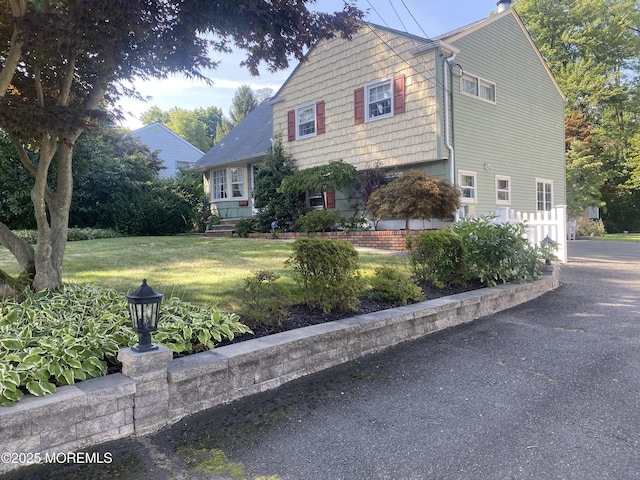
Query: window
point(379, 100)
point(544, 195)
point(503, 190)
point(477, 87)
point(237, 182)
point(467, 182)
point(220, 179)
point(180, 164)
point(219, 184)
point(306, 121)
point(315, 200)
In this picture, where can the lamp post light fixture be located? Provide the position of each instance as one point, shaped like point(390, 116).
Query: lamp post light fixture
point(548, 244)
point(144, 308)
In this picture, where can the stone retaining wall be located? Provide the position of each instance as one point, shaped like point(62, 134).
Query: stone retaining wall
point(155, 390)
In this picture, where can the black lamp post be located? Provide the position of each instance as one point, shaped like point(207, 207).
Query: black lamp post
point(548, 243)
point(144, 307)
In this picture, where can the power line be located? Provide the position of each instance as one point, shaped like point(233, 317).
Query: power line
point(380, 16)
point(414, 19)
point(398, 15)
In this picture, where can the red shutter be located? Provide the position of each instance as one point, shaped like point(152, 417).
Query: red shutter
point(291, 125)
point(398, 94)
point(320, 117)
point(330, 198)
point(358, 105)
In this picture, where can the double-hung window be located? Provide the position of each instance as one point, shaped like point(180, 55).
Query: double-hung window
point(223, 178)
point(544, 194)
point(467, 181)
point(219, 184)
point(237, 182)
point(503, 190)
point(379, 100)
point(477, 87)
point(306, 121)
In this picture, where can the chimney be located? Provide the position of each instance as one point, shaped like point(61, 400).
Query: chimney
point(503, 5)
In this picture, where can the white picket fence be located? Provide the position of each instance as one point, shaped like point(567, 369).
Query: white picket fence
point(552, 223)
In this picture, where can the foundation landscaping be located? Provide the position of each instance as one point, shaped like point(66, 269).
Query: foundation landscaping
point(239, 316)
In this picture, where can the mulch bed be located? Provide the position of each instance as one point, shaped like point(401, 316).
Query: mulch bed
point(302, 316)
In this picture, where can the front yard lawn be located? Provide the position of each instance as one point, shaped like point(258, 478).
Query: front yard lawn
point(204, 271)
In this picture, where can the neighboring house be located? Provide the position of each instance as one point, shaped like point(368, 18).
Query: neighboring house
point(229, 165)
point(477, 106)
point(174, 151)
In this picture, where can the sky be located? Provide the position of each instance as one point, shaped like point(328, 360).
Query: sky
point(418, 17)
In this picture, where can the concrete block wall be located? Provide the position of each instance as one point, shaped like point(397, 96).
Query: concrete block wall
point(155, 390)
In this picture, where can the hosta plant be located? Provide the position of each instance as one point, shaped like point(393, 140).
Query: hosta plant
point(74, 333)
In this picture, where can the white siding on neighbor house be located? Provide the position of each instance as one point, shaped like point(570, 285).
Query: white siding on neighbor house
point(333, 70)
point(173, 150)
point(521, 135)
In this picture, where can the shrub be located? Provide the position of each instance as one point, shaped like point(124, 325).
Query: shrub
point(263, 299)
point(498, 252)
point(244, 227)
point(73, 235)
point(74, 333)
point(327, 272)
point(415, 195)
point(395, 286)
point(319, 221)
point(438, 258)
point(586, 227)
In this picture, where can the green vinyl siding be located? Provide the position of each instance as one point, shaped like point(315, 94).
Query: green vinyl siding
point(521, 135)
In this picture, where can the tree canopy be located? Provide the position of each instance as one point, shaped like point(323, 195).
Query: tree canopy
point(63, 58)
point(593, 50)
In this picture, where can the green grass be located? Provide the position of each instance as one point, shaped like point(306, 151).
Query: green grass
point(204, 271)
point(620, 237)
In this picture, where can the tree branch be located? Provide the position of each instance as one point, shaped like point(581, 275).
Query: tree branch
point(22, 154)
point(18, 10)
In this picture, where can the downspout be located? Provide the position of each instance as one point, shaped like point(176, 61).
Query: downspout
point(447, 133)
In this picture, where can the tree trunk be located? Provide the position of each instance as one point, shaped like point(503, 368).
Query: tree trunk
point(52, 229)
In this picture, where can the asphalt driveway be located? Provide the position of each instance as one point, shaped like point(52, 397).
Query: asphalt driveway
point(546, 390)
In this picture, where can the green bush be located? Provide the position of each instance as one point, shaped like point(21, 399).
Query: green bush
point(244, 227)
point(395, 286)
point(498, 252)
point(438, 258)
point(319, 221)
point(73, 235)
point(586, 227)
point(263, 299)
point(327, 272)
point(154, 208)
point(74, 333)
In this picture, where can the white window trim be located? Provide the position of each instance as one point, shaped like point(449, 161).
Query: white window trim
point(469, 173)
point(214, 186)
point(315, 121)
point(546, 181)
point(368, 87)
point(498, 200)
point(229, 185)
point(479, 80)
point(242, 183)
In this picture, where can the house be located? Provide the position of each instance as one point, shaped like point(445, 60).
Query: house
point(229, 165)
point(174, 151)
point(477, 106)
